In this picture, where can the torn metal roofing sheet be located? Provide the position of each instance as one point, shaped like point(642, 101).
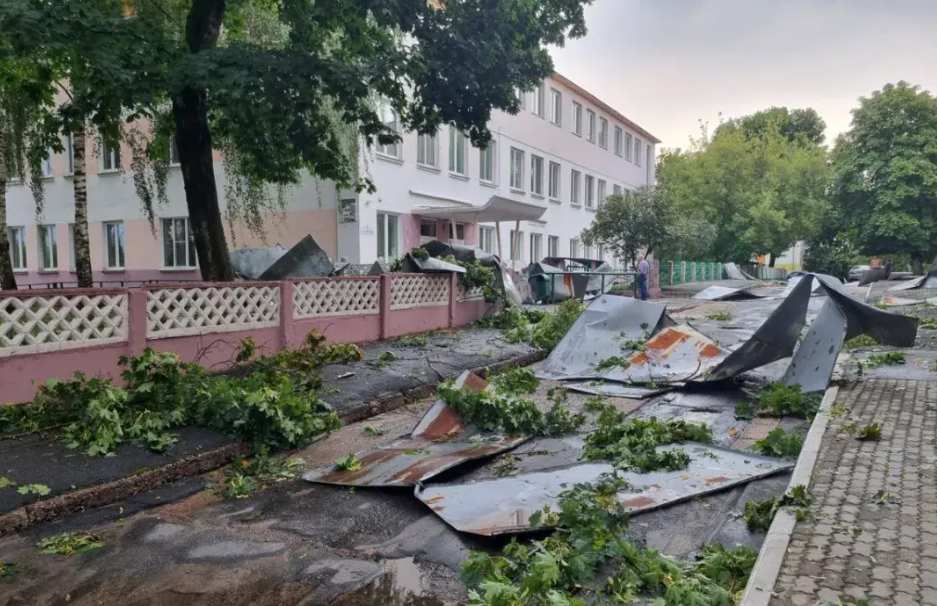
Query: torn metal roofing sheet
point(793, 282)
point(617, 390)
point(676, 353)
point(305, 259)
point(504, 505)
point(599, 333)
point(723, 293)
point(886, 327)
point(734, 272)
point(440, 441)
point(815, 359)
point(875, 274)
point(899, 302)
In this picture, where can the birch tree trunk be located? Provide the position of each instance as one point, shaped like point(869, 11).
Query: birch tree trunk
point(80, 183)
point(7, 279)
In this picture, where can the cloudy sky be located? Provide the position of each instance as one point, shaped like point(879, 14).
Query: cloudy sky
point(667, 64)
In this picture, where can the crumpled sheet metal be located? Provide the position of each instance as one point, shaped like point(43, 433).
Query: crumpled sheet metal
point(899, 302)
point(598, 333)
point(793, 282)
point(617, 390)
point(305, 259)
point(887, 328)
point(928, 280)
point(251, 263)
point(734, 272)
point(675, 354)
point(876, 274)
point(440, 441)
point(504, 505)
point(723, 293)
point(815, 359)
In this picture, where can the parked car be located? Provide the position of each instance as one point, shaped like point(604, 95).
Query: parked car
point(796, 274)
point(856, 271)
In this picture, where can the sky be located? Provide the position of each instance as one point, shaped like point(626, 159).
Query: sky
point(667, 64)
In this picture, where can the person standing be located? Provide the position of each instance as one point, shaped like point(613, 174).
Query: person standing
point(643, 269)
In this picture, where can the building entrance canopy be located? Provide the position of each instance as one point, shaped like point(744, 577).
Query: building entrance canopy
point(495, 210)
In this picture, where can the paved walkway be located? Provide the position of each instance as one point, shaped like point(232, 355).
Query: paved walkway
point(872, 532)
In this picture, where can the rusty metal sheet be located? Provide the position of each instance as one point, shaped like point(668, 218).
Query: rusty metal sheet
point(617, 390)
point(504, 505)
point(440, 441)
point(724, 293)
point(899, 302)
point(675, 354)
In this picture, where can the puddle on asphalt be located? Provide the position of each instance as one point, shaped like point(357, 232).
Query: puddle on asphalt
point(401, 584)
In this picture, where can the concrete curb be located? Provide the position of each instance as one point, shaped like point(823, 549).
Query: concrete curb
point(768, 566)
point(99, 495)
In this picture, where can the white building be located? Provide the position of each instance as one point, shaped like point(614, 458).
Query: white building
point(545, 174)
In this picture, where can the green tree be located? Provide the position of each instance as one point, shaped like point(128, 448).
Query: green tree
point(885, 173)
point(630, 222)
point(280, 104)
point(797, 124)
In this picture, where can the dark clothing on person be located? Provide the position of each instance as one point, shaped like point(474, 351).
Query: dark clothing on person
point(643, 269)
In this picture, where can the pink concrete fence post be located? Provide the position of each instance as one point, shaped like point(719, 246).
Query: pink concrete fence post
point(287, 320)
point(453, 297)
point(385, 304)
point(136, 322)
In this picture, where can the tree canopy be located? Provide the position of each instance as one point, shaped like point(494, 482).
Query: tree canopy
point(885, 173)
point(631, 222)
point(283, 87)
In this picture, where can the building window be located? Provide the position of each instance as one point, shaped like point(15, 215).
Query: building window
point(517, 251)
point(427, 228)
point(521, 98)
point(114, 245)
point(173, 152)
point(577, 119)
point(619, 139)
point(628, 146)
point(48, 248)
point(388, 232)
point(603, 133)
point(601, 192)
point(574, 178)
point(110, 157)
point(47, 165)
point(457, 148)
point(616, 189)
point(17, 238)
point(637, 151)
point(555, 181)
point(590, 125)
point(590, 193)
point(457, 234)
point(389, 118)
point(536, 244)
point(537, 99)
point(574, 247)
point(556, 115)
point(486, 163)
point(517, 169)
point(178, 244)
point(426, 151)
point(553, 246)
point(486, 239)
point(536, 175)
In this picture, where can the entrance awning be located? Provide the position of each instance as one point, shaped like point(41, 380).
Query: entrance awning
point(495, 209)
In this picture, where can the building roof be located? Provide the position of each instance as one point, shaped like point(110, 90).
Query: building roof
point(604, 106)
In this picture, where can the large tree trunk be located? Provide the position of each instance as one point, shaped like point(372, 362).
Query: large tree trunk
point(193, 140)
point(773, 259)
point(7, 279)
point(80, 183)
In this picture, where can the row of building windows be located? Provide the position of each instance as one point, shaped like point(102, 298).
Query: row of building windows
point(108, 159)
point(517, 251)
point(177, 242)
point(593, 127)
point(584, 189)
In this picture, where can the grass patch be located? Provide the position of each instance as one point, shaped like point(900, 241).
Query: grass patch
point(869, 433)
point(71, 543)
point(860, 341)
point(778, 400)
point(781, 444)
point(759, 514)
point(245, 477)
point(720, 316)
point(889, 358)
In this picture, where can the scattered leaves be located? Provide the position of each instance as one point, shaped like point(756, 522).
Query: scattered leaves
point(7, 568)
point(516, 381)
point(760, 514)
point(506, 466)
point(40, 490)
point(613, 362)
point(723, 315)
point(372, 431)
point(245, 477)
point(889, 358)
point(348, 463)
point(781, 444)
point(870, 433)
point(779, 400)
point(6, 482)
point(70, 543)
point(860, 341)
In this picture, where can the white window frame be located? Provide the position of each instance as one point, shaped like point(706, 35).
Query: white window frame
point(48, 247)
point(458, 146)
point(173, 152)
point(190, 255)
point(619, 140)
point(109, 156)
point(520, 249)
point(454, 233)
point(71, 247)
point(616, 189)
point(389, 117)
point(575, 184)
point(589, 186)
point(48, 168)
point(536, 247)
point(601, 191)
point(577, 118)
point(553, 246)
point(486, 238)
point(574, 247)
point(521, 97)
point(69, 155)
point(517, 169)
point(538, 98)
point(384, 228)
point(17, 245)
point(555, 181)
point(629, 147)
point(487, 161)
point(637, 151)
point(119, 262)
point(556, 111)
point(536, 175)
point(603, 133)
point(587, 251)
point(427, 151)
point(590, 126)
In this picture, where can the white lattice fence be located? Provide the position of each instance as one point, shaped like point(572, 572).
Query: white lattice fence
point(175, 312)
point(471, 294)
point(33, 324)
point(337, 298)
point(418, 290)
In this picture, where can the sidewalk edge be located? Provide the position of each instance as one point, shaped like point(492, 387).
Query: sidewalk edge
point(768, 565)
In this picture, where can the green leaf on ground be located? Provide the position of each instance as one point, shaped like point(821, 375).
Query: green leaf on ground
point(70, 543)
point(349, 463)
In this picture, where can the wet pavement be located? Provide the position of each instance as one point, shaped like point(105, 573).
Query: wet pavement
point(303, 543)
